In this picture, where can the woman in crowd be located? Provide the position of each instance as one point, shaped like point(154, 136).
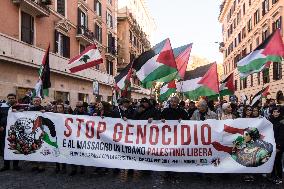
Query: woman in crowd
point(247, 113)
point(227, 112)
point(278, 126)
point(104, 109)
point(255, 112)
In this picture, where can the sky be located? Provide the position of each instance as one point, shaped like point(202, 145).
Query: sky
point(189, 21)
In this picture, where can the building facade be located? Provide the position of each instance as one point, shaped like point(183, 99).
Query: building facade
point(134, 29)
point(69, 26)
point(245, 25)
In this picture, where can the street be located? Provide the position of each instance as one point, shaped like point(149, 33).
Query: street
point(124, 179)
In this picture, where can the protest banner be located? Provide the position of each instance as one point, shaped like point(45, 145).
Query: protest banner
point(210, 146)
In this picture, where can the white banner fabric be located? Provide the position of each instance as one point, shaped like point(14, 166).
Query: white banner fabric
point(211, 146)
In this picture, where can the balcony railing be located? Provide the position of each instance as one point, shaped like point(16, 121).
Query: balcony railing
point(15, 51)
point(85, 35)
point(38, 7)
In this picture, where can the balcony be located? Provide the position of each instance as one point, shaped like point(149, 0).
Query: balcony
point(38, 8)
point(85, 36)
point(111, 53)
point(17, 52)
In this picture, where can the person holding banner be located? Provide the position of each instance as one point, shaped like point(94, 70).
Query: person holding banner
point(123, 110)
point(255, 112)
point(203, 112)
point(104, 110)
point(174, 112)
point(4, 109)
point(148, 112)
point(278, 126)
point(79, 110)
point(36, 106)
point(59, 108)
point(227, 112)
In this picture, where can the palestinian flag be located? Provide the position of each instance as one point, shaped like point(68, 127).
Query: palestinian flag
point(227, 86)
point(166, 90)
point(49, 132)
point(43, 83)
point(258, 96)
point(182, 55)
point(156, 65)
point(203, 81)
point(122, 80)
point(90, 57)
point(271, 50)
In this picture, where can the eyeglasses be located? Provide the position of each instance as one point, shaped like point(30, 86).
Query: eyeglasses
point(249, 109)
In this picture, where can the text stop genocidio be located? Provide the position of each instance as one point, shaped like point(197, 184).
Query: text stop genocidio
point(149, 134)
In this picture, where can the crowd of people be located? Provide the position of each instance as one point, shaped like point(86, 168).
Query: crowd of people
point(150, 109)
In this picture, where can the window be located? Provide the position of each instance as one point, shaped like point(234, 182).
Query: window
point(244, 52)
point(61, 7)
point(256, 17)
point(109, 2)
point(98, 8)
point(111, 44)
point(62, 44)
point(245, 83)
point(109, 19)
point(83, 97)
point(236, 85)
point(244, 32)
point(244, 8)
point(239, 17)
point(109, 67)
point(241, 88)
point(250, 48)
point(27, 28)
point(130, 36)
point(265, 7)
point(265, 76)
point(249, 25)
point(265, 35)
point(234, 6)
point(82, 22)
point(21, 94)
point(277, 70)
point(135, 41)
point(258, 78)
point(277, 24)
point(249, 2)
point(257, 41)
point(98, 33)
point(251, 80)
point(61, 96)
point(274, 1)
point(239, 38)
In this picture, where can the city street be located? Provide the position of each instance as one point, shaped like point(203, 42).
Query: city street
point(109, 179)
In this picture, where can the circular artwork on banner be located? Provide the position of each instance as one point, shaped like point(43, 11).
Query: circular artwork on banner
point(26, 136)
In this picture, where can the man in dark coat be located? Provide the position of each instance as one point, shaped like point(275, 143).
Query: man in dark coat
point(4, 109)
point(148, 112)
point(174, 112)
point(124, 110)
point(36, 106)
